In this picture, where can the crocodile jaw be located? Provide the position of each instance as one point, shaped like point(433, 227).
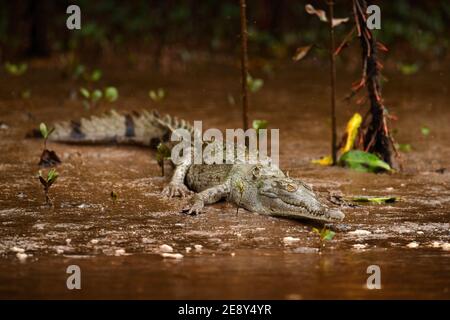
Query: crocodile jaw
point(278, 207)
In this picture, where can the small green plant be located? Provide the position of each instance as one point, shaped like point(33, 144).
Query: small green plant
point(47, 182)
point(254, 84)
point(16, 69)
point(260, 124)
point(162, 153)
point(48, 158)
point(324, 234)
point(45, 132)
point(93, 97)
point(114, 196)
point(425, 131)
point(157, 95)
point(111, 94)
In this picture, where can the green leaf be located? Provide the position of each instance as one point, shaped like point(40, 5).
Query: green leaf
point(157, 95)
point(408, 69)
point(43, 129)
point(85, 93)
point(377, 200)
point(16, 69)
point(425, 131)
point(260, 124)
point(111, 94)
point(254, 84)
point(363, 161)
point(96, 75)
point(403, 147)
point(79, 71)
point(96, 95)
point(328, 235)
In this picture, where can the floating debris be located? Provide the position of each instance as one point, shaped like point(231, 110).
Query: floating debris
point(359, 246)
point(165, 248)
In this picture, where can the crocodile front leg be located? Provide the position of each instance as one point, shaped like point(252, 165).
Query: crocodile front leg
point(208, 196)
point(176, 187)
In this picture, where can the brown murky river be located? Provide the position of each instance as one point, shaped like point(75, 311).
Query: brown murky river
point(242, 255)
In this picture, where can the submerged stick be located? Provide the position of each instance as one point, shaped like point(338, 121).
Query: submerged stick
point(244, 64)
point(332, 83)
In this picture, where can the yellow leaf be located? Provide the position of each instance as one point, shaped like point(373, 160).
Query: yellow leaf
point(352, 130)
point(325, 161)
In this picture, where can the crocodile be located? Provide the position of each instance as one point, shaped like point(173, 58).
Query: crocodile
point(259, 187)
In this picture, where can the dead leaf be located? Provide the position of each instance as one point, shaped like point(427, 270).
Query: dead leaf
point(49, 158)
point(301, 52)
point(338, 21)
point(321, 14)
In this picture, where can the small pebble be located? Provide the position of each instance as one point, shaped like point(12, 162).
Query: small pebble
point(17, 250)
point(188, 249)
point(446, 246)
point(165, 248)
point(233, 254)
point(198, 247)
point(360, 232)
point(359, 246)
point(419, 232)
point(94, 241)
point(413, 244)
point(172, 255)
point(68, 241)
point(288, 240)
point(21, 256)
point(120, 252)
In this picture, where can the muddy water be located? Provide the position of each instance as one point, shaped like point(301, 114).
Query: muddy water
point(242, 255)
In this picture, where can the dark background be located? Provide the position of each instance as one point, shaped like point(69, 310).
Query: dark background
point(38, 27)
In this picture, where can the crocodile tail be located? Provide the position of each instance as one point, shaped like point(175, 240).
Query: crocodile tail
point(145, 128)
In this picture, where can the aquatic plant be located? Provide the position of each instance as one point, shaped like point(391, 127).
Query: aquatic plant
point(48, 158)
point(157, 95)
point(324, 234)
point(92, 98)
point(16, 69)
point(47, 181)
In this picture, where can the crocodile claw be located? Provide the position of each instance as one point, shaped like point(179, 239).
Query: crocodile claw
point(195, 208)
point(176, 190)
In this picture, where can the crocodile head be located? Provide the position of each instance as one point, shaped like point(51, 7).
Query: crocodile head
point(278, 195)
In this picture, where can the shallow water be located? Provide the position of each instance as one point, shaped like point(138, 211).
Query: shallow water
point(243, 255)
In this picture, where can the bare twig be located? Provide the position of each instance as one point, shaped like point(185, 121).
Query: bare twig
point(244, 64)
point(332, 83)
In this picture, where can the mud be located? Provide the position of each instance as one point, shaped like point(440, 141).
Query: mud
point(243, 255)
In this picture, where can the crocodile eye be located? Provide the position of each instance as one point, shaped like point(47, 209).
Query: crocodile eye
point(291, 187)
point(256, 172)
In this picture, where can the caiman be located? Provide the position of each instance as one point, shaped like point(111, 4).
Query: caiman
point(259, 187)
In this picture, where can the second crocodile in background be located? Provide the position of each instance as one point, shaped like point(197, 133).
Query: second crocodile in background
point(259, 187)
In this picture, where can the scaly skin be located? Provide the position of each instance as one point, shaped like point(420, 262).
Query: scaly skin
point(260, 187)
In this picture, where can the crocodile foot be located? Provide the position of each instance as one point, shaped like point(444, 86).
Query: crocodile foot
point(195, 207)
point(176, 190)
